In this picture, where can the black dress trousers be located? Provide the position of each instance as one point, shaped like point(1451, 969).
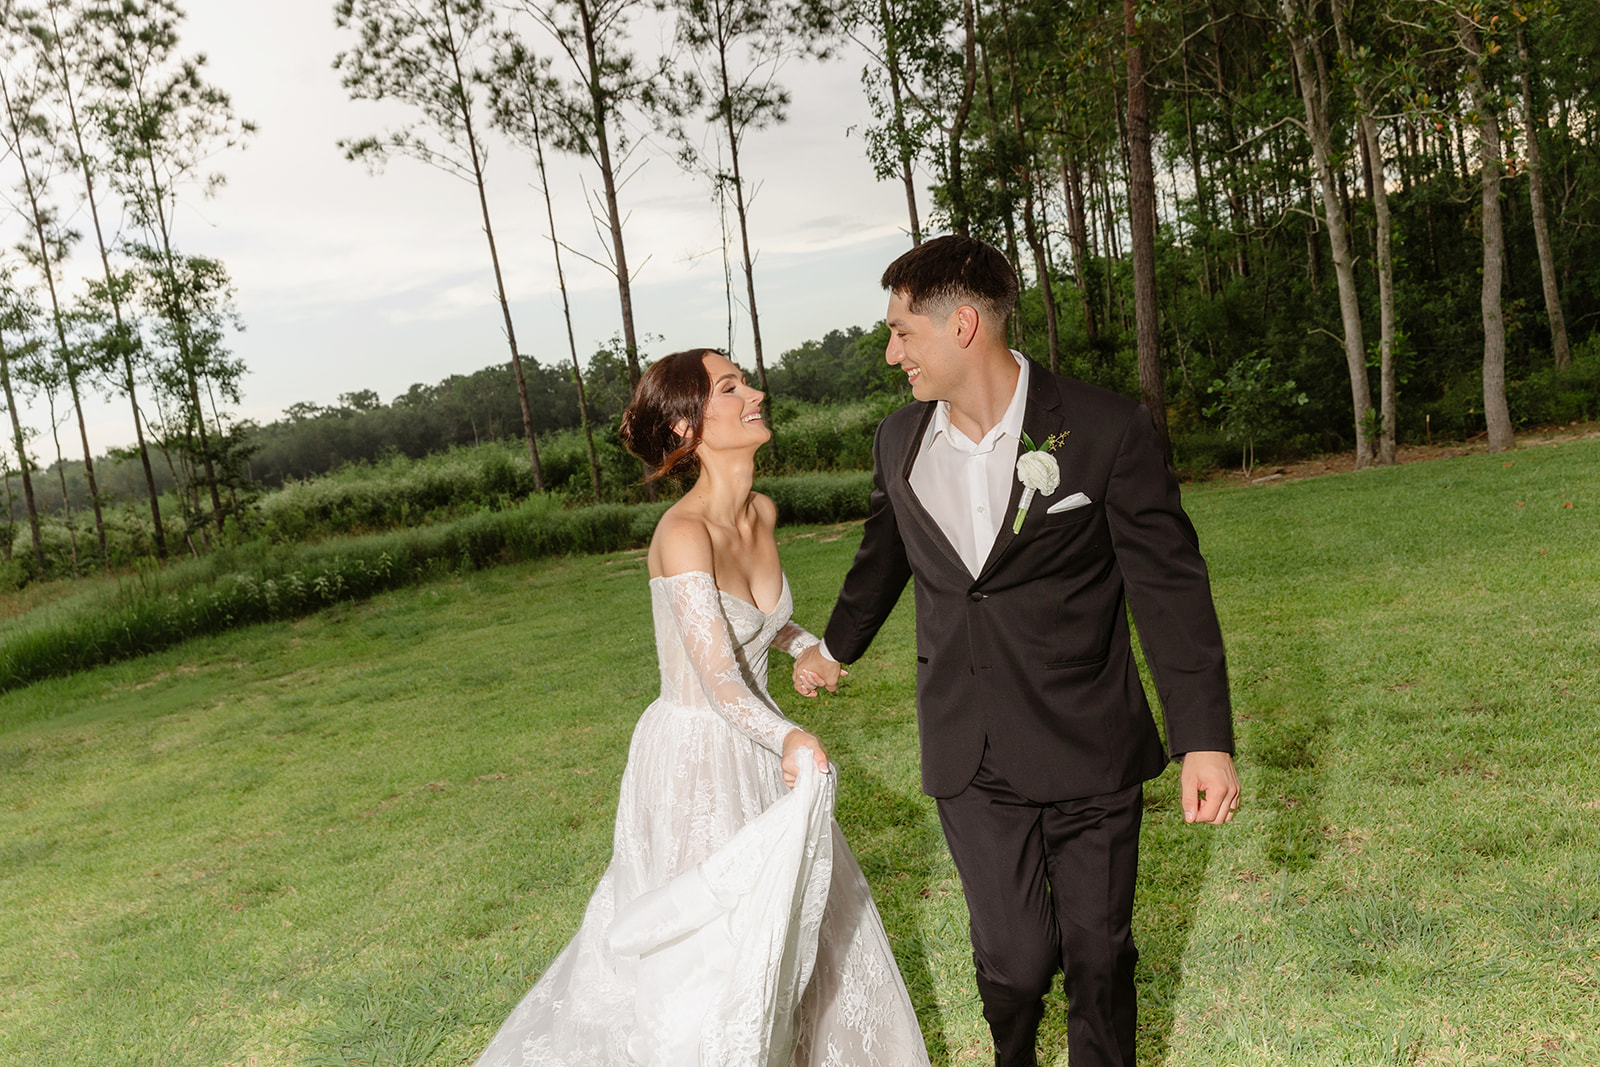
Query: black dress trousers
point(1050, 885)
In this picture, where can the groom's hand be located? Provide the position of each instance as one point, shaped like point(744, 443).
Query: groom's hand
point(1210, 787)
point(813, 671)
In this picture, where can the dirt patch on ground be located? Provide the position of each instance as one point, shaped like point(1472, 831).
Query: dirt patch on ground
point(1340, 462)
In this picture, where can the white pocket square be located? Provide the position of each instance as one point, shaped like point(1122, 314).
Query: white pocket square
point(1068, 503)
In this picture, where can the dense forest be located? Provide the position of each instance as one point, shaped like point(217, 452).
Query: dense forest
point(1286, 225)
point(1312, 223)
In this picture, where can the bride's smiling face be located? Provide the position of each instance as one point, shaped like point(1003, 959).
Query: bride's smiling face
point(732, 418)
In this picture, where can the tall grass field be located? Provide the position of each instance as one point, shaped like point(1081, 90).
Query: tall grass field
point(358, 837)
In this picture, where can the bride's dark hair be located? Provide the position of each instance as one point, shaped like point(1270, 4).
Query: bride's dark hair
point(674, 389)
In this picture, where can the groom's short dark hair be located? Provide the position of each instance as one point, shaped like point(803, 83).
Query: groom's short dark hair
point(940, 275)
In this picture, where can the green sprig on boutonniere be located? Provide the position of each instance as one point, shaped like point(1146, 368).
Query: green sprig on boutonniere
point(1038, 471)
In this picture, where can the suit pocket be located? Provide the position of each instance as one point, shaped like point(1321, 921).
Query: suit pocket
point(1071, 517)
point(1075, 664)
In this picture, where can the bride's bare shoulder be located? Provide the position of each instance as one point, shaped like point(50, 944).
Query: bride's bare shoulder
point(681, 543)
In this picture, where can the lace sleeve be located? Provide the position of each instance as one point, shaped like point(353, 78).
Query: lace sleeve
point(698, 613)
point(794, 639)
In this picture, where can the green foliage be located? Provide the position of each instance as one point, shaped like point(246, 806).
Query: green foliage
point(1559, 394)
point(564, 455)
point(810, 498)
point(824, 437)
point(1546, 395)
point(396, 492)
point(259, 580)
point(463, 409)
point(128, 540)
point(844, 367)
point(1251, 403)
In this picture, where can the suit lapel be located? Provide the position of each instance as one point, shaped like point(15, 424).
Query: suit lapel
point(920, 514)
point(1040, 419)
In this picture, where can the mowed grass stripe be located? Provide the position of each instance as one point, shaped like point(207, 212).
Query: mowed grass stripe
point(1416, 664)
point(360, 836)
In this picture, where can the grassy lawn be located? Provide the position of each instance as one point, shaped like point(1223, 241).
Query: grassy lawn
point(357, 839)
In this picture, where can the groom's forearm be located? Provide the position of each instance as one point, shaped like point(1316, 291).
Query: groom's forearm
point(874, 583)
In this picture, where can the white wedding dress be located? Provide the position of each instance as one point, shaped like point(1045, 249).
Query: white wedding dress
point(733, 928)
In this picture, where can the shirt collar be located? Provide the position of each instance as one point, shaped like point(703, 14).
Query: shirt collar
point(1010, 423)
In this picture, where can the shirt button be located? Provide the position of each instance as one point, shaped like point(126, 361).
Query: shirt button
point(980, 509)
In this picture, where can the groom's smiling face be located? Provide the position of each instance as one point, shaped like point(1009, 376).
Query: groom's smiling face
point(928, 349)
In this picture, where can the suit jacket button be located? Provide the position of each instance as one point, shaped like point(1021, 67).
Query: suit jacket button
point(974, 597)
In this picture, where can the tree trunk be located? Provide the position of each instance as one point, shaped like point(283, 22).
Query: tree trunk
point(494, 256)
point(1236, 211)
point(11, 522)
point(121, 338)
point(22, 457)
point(599, 109)
point(955, 189)
point(61, 475)
point(566, 306)
point(1041, 266)
point(63, 353)
point(891, 55)
point(1338, 237)
point(1496, 413)
point(740, 210)
point(1202, 194)
point(1077, 235)
point(1378, 189)
point(180, 320)
point(1142, 225)
point(1387, 433)
point(1541, 228)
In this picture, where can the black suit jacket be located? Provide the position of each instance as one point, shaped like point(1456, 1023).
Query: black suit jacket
point(1033, 656)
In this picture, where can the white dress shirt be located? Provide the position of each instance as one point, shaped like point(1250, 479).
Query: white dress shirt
point(966, 487)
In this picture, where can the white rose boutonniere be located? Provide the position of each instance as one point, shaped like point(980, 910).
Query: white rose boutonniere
point(1038, 472)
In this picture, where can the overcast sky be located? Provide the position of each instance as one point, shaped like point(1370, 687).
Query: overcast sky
point(349, 281)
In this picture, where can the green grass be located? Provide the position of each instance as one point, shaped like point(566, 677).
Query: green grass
point(358, 837)
point(1415, 656)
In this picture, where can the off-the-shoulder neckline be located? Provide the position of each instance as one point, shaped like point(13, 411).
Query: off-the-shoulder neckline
point(732, 596)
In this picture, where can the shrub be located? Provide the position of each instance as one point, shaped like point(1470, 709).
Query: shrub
point(398, 492)
point(1200, 451)
point(803, 498)
point(259, 580)
point(824, 437)
point(1559, 394)
point(128, 540)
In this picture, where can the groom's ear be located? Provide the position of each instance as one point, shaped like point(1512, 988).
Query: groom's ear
point(967, 321)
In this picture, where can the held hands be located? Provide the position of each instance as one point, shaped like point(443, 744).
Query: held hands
point(812, 672)
point(1210, 787)
point(793, 741)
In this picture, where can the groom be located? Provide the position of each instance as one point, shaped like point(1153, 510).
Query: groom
point(1035, 731)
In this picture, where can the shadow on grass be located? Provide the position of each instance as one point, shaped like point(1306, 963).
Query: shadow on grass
point(1287, 720)
point(1173, 859)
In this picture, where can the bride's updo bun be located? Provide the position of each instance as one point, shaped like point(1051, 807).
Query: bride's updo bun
point(673, 390)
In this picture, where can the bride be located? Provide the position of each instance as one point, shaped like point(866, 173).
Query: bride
point(732, 928)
